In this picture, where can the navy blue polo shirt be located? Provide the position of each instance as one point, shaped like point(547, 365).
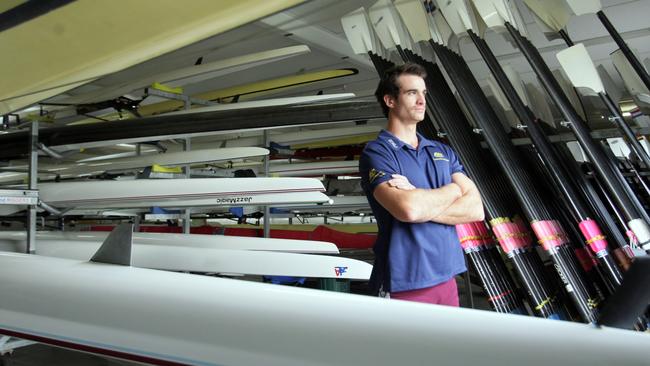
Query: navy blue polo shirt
point(410, 256)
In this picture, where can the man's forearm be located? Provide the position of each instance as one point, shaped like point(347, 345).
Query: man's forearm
point(468, 208)
point(424, 205)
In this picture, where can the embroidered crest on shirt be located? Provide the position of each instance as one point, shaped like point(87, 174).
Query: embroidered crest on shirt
point(439, 156)
point(393, 144)
point(374, 174)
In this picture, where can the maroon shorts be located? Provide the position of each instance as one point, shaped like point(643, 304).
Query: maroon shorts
point(445, 293)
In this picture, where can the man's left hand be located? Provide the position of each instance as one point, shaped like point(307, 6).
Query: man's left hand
point(400, 182)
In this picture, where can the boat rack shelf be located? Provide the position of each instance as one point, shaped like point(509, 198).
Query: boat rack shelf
point(18, 197)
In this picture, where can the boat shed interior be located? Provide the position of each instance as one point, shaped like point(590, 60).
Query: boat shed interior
point(184, 183)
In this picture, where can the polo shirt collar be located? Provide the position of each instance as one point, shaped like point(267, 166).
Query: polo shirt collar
point(396, 143)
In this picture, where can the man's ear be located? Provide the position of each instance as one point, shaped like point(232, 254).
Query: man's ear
point(389, 100)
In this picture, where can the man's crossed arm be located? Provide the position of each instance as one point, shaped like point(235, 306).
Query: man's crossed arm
point(455, 203)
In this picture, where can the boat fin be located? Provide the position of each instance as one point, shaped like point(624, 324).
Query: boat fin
point(116, 249)
point(631, 299)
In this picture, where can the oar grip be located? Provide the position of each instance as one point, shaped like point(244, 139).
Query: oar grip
point(549, 234)
point(594, 236)
point(511, 236)
point(642, 233)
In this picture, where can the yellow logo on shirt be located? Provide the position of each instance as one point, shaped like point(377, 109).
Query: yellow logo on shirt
point(374, 174)
point(439, 156)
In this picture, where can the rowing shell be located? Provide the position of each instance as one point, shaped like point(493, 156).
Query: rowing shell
point(15, 241)
point(246, 91)
point(167, 318)
point(314, 169)
point(84, 41)
point(191, 74)
point(93, 167)
point(256, 89)
point(210, 260)
point(266, 103)
point(167, 159)
point(339, 204)
point(182, 192)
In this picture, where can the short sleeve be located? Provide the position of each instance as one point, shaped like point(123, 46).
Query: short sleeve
point(376, 165)
point(455, 165)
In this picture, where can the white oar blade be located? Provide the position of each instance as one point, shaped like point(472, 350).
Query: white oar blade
point(632, 81)
point(549, 33)
point(439, 28)
point(360, 35)
point(539, 104)
point(513, 76)
point(461, 16)
point(495, 13)
point(580, 69)
point(580, 7)
point(506, 117)
point(492, 12)
point(388, 25)
point(414, 17)
point(611, 88)
point(569, 91)
point(498, 93)
point(554, 13)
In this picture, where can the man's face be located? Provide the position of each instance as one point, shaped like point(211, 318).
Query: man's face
point(410, 104)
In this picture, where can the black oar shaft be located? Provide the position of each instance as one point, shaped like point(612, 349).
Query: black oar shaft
point(566, 37)
point(589, 227)
point(604, 166)
point(547, 230)
point(477, 242)
point(474, 236)
point(492, 186)
point(617, 117)
point(634, 62)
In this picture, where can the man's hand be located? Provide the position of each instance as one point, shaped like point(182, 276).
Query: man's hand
point(468, 208)
point(400, 182)
point(407, 203)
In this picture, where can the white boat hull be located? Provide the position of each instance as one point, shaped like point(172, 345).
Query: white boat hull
point(15, 241)
point(167, 159)
point(157, 317)
point(182, 192)
point(196, 255)
point(274, 102)
point(191, 74)
point(314, 169)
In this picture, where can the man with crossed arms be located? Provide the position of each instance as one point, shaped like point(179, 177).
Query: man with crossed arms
point(418, 191)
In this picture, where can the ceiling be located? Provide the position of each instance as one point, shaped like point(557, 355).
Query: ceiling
point(317, 24)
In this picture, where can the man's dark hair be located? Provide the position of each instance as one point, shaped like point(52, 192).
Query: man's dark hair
point(388, 83)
